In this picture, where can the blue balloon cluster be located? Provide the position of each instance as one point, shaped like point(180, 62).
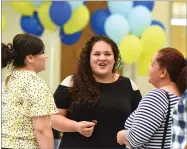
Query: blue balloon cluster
point(69, 39)
point(122, 18)
point(118, 20)
point(98, 19)
point(59, 13)
point(32, 24)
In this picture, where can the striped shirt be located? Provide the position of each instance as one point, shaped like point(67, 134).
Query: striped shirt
point(145, 126)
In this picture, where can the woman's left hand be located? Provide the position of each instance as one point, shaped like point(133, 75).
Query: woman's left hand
point(121, 137)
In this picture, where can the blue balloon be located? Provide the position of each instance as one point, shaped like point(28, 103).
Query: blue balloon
point(35, 15)
point(60, 12)
point(75, 4)
point(120, 7)
point(98, 19)
point(116, 27)
point(32, 25)
point(156, 22)
point(139, 19)
point(148, 4)
point(69, 39)
point(37, 3)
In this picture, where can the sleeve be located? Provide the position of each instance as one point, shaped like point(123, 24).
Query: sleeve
point(148, 117)
point(136, 97)
point(129, 120)
point(40, 99)
point(61, 97)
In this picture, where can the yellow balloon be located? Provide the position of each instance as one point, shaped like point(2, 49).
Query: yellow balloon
point(153, 39)
point(130, 48)
point(43, 14)
point(3, 23)
point(25, 8)
point(79, 19)
point(144, 62)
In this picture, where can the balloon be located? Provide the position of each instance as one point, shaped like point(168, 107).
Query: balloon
point(120, 7)
point(25, 8)
point(116, 27)
point(43, 14)
point(98, 19)
point(130, 48)
point(32, 25)
point(69, 39)
point(139, 19)
point(37, 3)
point(144, 62)
point(3, 23)
point(156, 22)
point(153, 39)
point(78, 21)
point(75, 4)
point(148, 4)
point(60, 12)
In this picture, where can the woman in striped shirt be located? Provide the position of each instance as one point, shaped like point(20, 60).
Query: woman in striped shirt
point(146, 125)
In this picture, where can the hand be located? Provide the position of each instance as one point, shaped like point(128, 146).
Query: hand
point(121, 137)
point(85, 128)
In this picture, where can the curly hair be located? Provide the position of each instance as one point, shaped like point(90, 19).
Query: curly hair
point(84, 86)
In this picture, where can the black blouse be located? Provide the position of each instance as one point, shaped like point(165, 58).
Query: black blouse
point(117, 102)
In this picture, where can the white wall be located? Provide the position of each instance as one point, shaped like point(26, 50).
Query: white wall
point(51, 41)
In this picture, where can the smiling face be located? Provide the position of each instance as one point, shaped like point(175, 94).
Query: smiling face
point(102, 59)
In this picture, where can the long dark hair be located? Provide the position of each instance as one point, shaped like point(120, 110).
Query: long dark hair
point(176, 66)
point(16, 52)
point(85, 88)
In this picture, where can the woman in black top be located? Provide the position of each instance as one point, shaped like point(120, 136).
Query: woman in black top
point(94, 102)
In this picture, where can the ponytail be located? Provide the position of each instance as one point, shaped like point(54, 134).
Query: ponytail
point(182, 79)
point(8, 54)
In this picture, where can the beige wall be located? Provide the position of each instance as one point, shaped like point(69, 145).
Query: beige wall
point(179, 39)
point(53, 46)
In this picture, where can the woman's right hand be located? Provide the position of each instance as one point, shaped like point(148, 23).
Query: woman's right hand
point(85, 128)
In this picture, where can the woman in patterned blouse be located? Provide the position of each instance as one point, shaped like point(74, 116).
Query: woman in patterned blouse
point(27, 102)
